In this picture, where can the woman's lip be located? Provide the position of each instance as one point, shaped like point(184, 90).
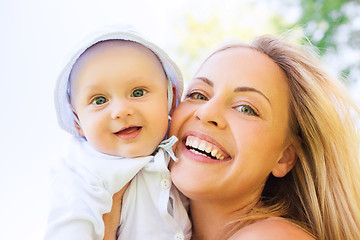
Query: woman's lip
point(205, 137)
point(199, 157)
point(129, 133)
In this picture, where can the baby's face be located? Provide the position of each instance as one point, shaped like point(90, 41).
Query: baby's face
point(119, 93)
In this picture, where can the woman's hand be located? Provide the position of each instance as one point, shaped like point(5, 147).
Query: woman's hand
point(112, 219)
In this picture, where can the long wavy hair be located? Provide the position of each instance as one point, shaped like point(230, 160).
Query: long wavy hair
point(321, 193)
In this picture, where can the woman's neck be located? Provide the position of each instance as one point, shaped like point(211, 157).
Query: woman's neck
point(212, 220)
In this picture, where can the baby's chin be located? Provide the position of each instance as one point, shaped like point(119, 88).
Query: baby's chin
point(130, 149)
point(137, 153)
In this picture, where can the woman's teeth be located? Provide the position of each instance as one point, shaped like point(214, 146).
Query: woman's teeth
point(204, 148)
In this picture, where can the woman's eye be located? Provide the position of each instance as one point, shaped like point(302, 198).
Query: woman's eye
point(247, 110)
point(196, 95)
point(138, 92)
point(99, 100)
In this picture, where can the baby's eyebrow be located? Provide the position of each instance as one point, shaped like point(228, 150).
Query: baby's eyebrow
point(250, 89)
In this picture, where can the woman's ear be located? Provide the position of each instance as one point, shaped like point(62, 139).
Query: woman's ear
point(286, 162)
point(173, 105)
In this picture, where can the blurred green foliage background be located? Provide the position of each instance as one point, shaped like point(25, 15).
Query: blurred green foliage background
point(332, 26)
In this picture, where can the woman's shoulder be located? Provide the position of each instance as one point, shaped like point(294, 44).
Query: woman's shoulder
point(271, 229)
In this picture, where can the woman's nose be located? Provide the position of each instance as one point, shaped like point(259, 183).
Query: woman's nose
point(211, 112)
point(121, 109)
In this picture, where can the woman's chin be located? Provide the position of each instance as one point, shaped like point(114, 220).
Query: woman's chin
point(193, 181)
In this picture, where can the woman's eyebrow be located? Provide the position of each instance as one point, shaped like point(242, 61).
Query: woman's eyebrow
point(206, 80)
point(250, 89)
point(238, 89)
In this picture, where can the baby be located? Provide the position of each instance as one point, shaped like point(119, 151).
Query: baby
point(114, 96)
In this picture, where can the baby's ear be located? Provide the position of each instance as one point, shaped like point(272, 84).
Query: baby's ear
point(77, 122)
point(286, 162)
point(173, 105)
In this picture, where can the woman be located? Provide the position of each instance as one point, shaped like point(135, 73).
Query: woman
point(267, 147)
point(284, 142)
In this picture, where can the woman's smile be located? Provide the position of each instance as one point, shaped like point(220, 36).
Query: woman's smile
point(204, 148)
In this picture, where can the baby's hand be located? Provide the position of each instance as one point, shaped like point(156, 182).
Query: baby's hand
point(112, 219)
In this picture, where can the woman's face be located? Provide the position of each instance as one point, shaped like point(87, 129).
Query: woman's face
point(232, 127)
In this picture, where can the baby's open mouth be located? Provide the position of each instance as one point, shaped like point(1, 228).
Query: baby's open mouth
point(202, 147)
point(129, 133)
point(128, 130)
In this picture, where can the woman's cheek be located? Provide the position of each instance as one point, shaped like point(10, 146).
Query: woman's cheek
point(179, 176)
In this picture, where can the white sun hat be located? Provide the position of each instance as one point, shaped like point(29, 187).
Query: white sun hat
point(64, 112)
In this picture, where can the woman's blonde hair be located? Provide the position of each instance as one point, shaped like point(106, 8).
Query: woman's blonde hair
point(322, 192)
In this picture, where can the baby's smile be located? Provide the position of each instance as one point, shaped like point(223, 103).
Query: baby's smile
point(129, 133)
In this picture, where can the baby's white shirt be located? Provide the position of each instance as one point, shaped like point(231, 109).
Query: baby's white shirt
point(84, 181)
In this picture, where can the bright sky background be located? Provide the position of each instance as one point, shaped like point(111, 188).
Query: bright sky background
point(36, 37)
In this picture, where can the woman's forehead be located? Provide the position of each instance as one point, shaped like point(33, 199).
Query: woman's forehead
point(243, 55)
point(240, 67)
point(239, 63)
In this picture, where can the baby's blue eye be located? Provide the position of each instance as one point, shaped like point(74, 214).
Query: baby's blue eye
point(247, 110)
point(197, 95)
point(138, 92)
point(99, 100)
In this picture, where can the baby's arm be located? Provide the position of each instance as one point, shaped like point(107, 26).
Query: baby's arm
point(78, 206)
point(83, 185)
point(112, 219)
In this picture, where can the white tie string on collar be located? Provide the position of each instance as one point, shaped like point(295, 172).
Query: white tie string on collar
point(167, 145)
